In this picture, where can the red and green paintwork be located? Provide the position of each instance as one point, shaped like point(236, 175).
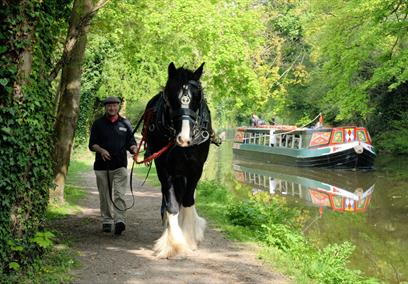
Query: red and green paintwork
point(311, 144)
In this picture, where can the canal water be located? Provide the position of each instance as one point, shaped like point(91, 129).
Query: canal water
point(366, 208)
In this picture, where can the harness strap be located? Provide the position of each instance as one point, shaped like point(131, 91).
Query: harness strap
point(154, 155)
point(183, 113)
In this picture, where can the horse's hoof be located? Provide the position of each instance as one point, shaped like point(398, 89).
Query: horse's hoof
point(174, 252)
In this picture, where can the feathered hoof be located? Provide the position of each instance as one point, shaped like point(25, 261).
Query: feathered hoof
point(167, 248)
point(197, 235)
point(200, 228)
point(171, 251)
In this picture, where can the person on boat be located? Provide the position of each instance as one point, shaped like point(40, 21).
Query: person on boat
point(254, 120)
point(319, 124)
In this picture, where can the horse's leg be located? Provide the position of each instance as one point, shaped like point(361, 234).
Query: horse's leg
point(172, 241)
point(192, 225)
point(163, 211)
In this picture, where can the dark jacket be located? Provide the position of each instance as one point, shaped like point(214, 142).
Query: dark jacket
point(114, 137)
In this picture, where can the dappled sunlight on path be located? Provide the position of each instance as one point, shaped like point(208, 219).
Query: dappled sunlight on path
point(129, 258)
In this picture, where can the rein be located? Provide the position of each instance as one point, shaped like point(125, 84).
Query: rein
point(154, 155)
point(131, 174)
point(110, 192)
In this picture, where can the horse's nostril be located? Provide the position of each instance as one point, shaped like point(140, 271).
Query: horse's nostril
point(182, 141)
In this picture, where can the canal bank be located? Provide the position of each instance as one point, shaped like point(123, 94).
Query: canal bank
point(378, 231)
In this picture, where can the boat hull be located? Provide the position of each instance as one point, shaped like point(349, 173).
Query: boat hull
point(355, 155)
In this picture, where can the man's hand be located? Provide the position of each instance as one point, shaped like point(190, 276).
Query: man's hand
point(105, 154)
point(133, 149)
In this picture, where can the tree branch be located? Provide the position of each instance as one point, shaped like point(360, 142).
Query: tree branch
point(73, 38)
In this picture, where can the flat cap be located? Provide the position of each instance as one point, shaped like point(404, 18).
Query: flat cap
point(112, 100)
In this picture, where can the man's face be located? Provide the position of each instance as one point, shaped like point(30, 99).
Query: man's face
point(112, 109)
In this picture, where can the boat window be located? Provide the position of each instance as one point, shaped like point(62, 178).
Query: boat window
point(361, 135)
point(338, 136)
point(288, 140)
point(256, 137)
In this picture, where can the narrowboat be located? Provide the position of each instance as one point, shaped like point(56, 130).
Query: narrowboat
point(329, 147)
point(337, 191)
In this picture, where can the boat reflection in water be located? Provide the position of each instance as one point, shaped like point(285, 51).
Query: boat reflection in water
point(341, 191)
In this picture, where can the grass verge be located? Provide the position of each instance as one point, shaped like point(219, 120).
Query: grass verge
point(53, 267)
point(276, 229)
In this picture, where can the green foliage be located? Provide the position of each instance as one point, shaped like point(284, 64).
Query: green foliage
point(359, 48)
point(226, 36)
point(26, 118)
point(246, 213)
point(290, 57)
point(43, 239)
point(52, 267)
point(280, 236)
point(288, 60)
point(396, 138)
point(91, 80)
point(274, 226)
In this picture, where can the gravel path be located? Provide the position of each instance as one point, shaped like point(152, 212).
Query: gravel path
point(106, 258)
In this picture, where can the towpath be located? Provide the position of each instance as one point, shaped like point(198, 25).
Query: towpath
point(129, 258)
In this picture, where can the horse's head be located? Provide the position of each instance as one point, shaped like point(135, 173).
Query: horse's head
point(184, 98)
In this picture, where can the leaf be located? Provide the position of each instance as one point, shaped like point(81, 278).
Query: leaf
point(6, 130)
point(4, 81)
point(14, 265)
point(43, 239)
point(3, 49)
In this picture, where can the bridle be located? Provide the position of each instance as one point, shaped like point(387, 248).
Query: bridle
point(200, 119)
point(160, 118)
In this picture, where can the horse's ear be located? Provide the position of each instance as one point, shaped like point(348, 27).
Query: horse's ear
point(198, 72)
point(171, 70)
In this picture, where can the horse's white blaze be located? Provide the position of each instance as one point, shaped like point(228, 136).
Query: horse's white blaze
point(192, 225)
point(184, 136)
point(172, 241)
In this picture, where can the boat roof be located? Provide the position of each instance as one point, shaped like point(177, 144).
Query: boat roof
point(292, 128)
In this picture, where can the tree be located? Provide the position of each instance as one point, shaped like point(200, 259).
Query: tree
point(68, 95)
point(227, 36)
point(359, 46)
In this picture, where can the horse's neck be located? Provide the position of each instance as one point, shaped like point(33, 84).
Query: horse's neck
point(161, 117)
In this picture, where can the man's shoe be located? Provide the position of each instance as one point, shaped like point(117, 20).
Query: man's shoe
point(106, 228)
point(119, 228)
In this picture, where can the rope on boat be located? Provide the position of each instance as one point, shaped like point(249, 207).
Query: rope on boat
point(302, 125)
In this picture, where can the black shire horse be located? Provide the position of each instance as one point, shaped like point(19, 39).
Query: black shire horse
point(177, 124)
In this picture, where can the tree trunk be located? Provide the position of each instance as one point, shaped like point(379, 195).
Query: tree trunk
point(69, 94)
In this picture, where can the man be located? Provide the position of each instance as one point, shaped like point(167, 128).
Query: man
point(111, 136)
